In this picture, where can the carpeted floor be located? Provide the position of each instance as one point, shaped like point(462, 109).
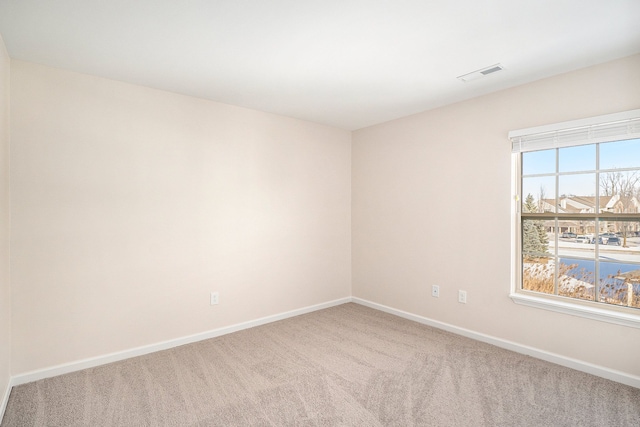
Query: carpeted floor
point(344, 366)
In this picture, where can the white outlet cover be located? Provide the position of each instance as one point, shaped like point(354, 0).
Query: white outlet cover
point(214, 298)
point(462, 297)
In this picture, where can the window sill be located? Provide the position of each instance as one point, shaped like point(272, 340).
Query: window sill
point(566, 307)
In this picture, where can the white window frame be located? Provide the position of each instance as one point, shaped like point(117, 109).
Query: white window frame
point(606, 128)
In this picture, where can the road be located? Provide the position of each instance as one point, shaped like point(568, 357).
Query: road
point(569, 248)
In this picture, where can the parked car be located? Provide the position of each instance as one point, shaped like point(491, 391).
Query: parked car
point(568, 235)
point(614, 241)
point(583, 239)
point(593, 240)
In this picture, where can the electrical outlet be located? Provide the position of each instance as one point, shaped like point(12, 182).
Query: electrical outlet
point(214, 298)
point(435, 291)
point(462, 297)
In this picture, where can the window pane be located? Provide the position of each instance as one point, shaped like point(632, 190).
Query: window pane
point(620, 241)
point(620, 154)
point(622, 189)
point(538, 272)
point(576, 239)
point(543, 194)
point(538, 162)
point(535, 239)
point(576, 159)
point(576, 278)
point(620, 284)
point(577, 193)
point(538, 275)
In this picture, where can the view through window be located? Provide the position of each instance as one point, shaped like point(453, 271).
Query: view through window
point(580, 222)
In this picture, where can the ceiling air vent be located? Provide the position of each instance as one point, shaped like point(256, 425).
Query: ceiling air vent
point(481, 73)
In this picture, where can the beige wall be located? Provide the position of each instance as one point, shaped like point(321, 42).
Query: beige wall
point(5, 286)
point(130, 205)
point(431, 205)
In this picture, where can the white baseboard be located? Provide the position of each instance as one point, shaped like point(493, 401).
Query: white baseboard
point(579, 365)
point(139, 351)
point(5, 399)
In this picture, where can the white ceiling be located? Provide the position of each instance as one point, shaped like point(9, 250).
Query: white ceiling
point(345, 63)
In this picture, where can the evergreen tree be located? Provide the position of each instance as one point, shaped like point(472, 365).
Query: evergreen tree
point(535, 242)
point(543, 238)
point(529, 204)
point(530, 239)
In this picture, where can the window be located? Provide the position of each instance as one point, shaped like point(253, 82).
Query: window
point(577, 217)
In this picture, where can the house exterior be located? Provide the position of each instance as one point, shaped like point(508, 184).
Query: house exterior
point(571, 204)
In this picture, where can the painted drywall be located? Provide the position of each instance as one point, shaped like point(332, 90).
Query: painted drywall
point(131, 205)
point(431, 204)
point(5, 223)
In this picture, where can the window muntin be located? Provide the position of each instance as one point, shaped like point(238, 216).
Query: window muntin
point(573, 201)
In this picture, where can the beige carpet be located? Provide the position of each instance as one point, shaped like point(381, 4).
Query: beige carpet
point(344, 366)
